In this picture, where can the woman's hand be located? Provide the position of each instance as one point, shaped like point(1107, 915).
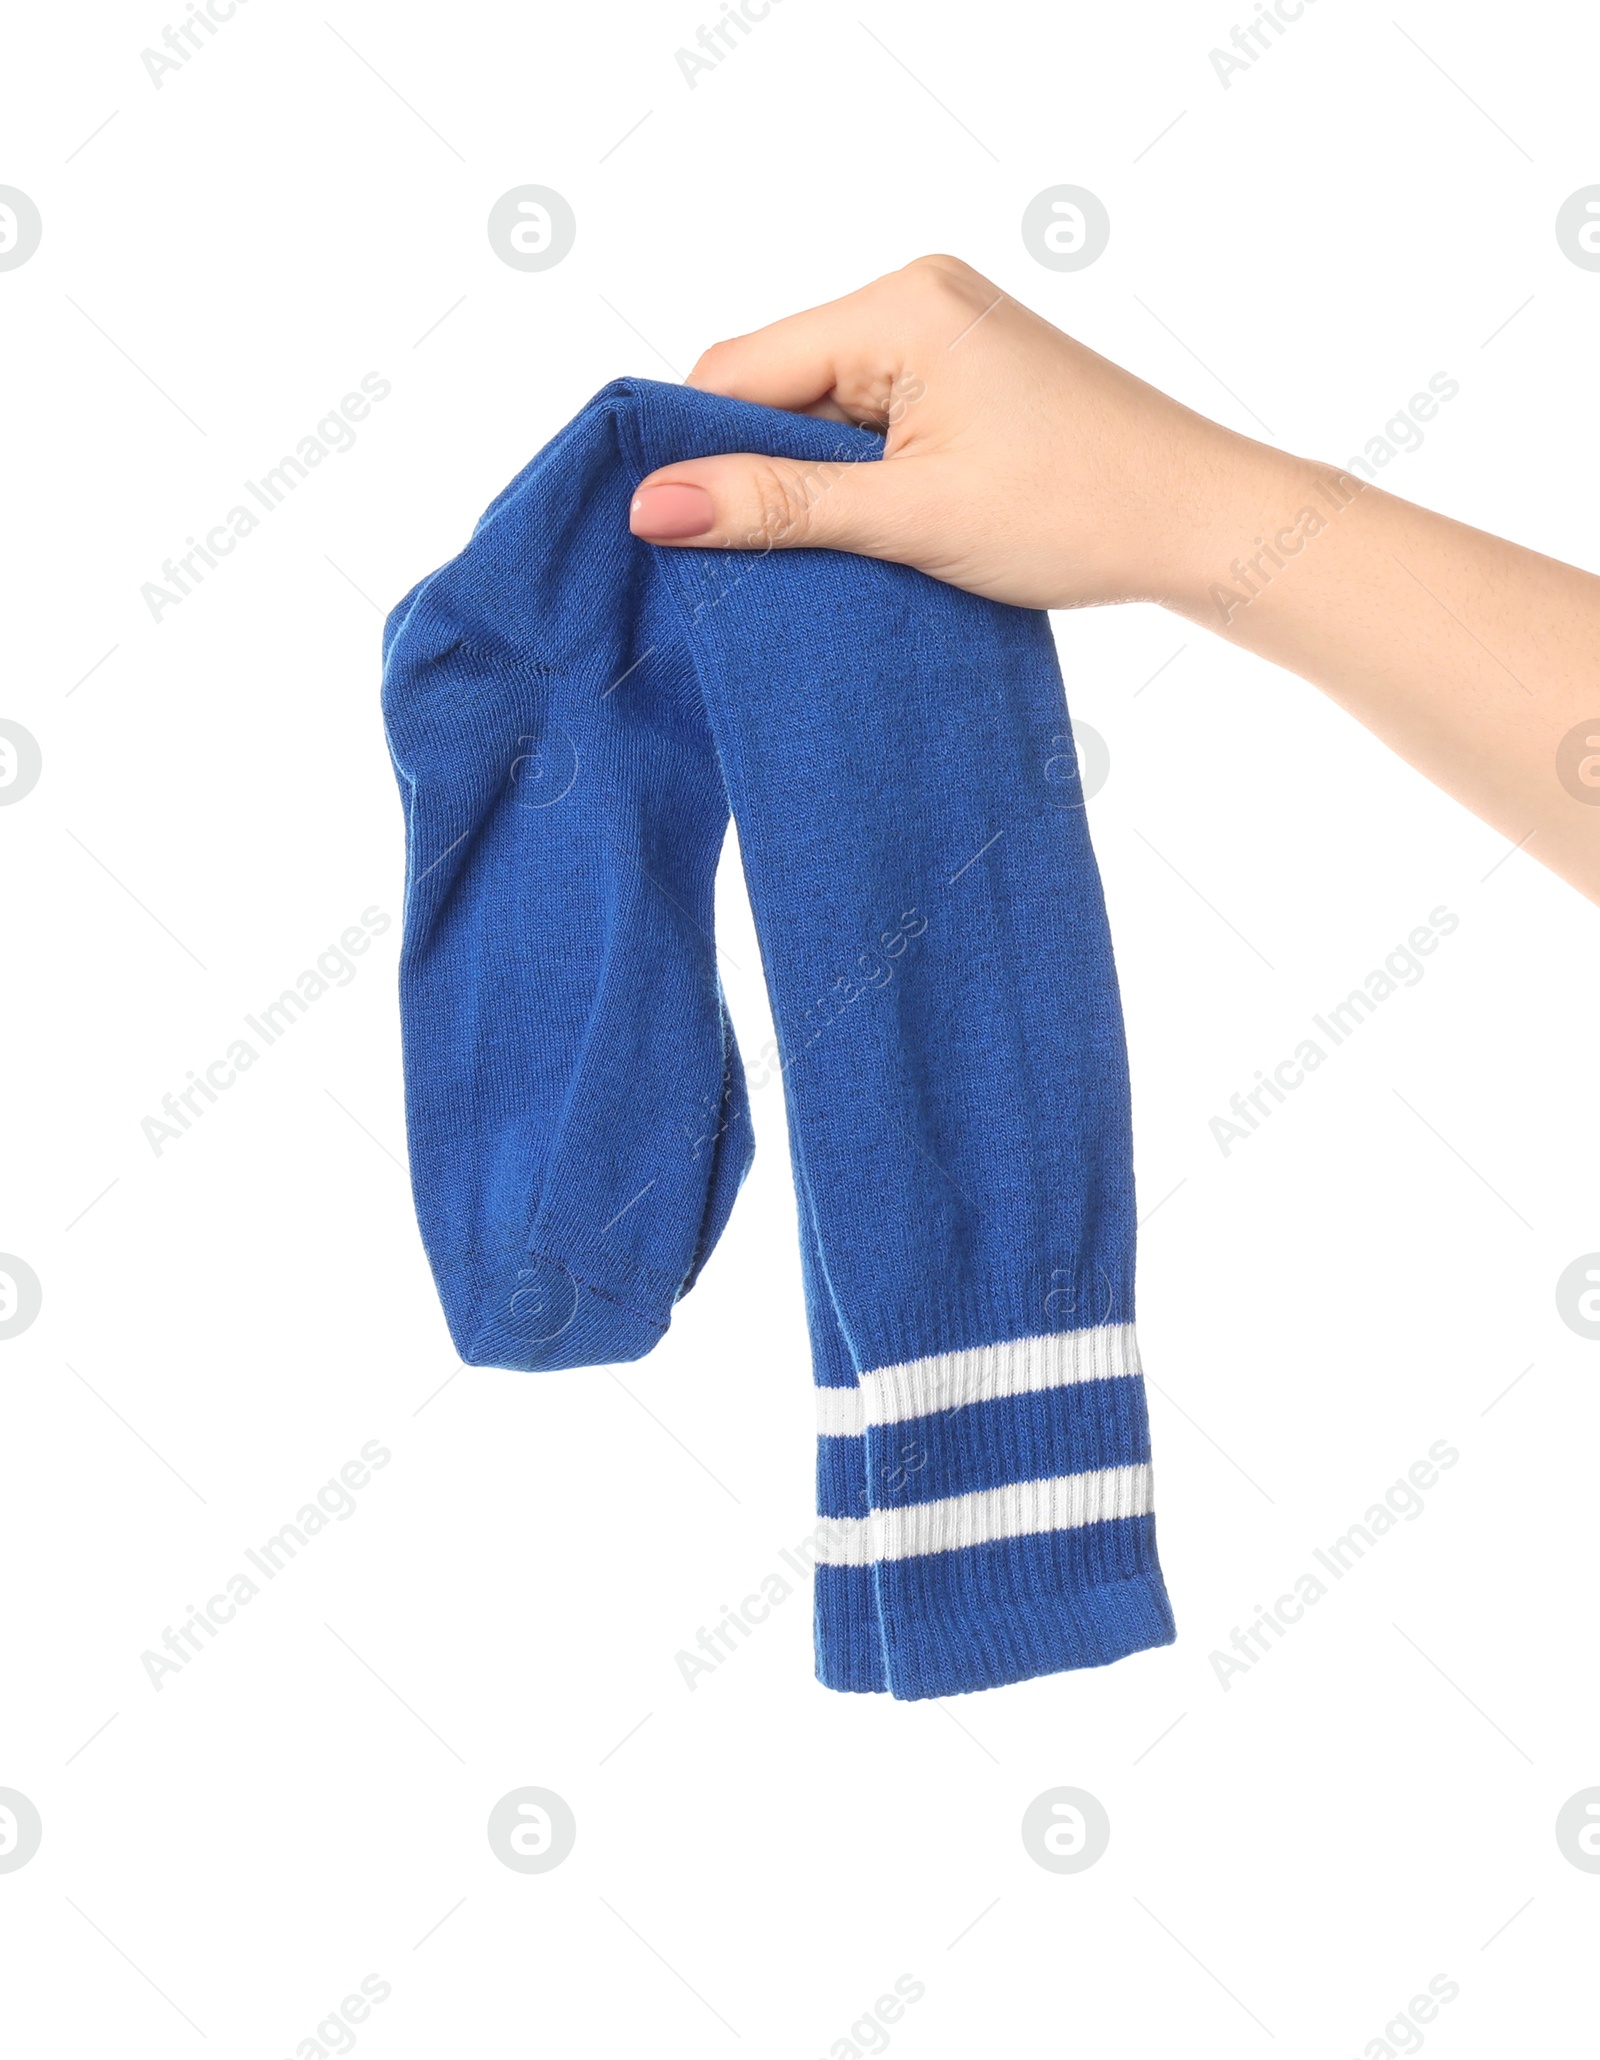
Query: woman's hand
point(1020, 465)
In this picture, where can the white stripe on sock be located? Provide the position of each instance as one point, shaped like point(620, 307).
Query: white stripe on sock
point(893, 1394)
point(1024, 1507)
point(839, 1413)
point(840, 1541)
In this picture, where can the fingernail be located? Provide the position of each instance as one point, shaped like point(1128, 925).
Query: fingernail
point(662, 514)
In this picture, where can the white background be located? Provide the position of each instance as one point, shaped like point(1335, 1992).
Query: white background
point(227, 1322)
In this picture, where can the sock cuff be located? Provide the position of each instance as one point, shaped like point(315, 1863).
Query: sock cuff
point(999, 1502)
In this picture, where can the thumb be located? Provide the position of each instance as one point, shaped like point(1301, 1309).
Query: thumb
point(749, 503)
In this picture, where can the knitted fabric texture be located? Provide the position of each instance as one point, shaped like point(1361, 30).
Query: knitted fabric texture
point(572, 713)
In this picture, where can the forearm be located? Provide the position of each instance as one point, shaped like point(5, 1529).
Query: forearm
point(1473, 658)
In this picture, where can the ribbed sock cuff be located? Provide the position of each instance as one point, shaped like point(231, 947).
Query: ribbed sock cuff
point(1003, 1630)
point(952, 1623)
point(849, 1642)
point(988, 1517)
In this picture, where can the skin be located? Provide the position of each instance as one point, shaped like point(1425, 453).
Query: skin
point(1021, 465)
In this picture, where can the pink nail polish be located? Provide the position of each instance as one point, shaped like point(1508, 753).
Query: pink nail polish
point(663, 514)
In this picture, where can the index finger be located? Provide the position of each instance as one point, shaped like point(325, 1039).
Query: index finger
point(841, 360)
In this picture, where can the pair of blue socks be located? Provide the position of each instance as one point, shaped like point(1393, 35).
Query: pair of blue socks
point(572, 714)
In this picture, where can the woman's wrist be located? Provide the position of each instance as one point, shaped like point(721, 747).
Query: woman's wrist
point(1256, 513)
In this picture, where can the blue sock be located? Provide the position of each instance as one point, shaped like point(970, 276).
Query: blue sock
point(572, 713)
